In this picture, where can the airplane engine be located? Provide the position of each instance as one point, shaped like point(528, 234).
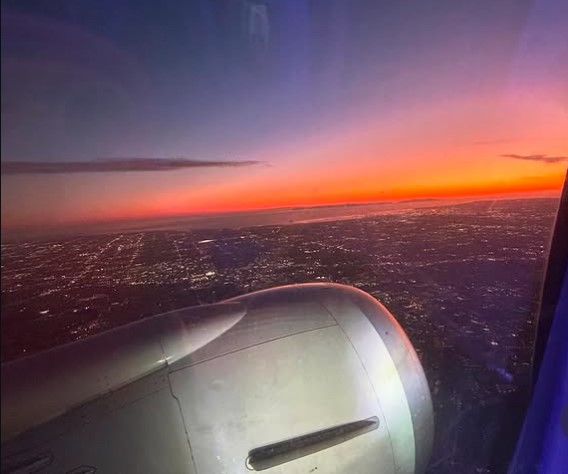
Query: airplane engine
point(298, 379)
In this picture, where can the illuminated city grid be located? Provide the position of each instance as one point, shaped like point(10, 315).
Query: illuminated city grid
point(462, 280)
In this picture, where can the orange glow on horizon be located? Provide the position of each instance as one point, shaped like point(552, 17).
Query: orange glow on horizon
point(362, 192)
point(359, 193)
point(429, 153)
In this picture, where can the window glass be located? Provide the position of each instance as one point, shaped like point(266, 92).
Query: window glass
point(155, 158)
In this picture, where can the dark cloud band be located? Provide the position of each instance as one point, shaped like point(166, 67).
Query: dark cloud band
point(541, 158)
point(115, 165)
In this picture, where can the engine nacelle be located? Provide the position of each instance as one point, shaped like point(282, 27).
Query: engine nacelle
point(293, 379)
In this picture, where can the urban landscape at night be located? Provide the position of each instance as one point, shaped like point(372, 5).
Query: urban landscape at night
point(463, 281)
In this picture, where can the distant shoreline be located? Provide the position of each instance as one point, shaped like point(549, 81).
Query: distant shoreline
point(252, 218)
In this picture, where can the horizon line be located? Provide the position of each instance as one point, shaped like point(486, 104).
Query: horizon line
point(71, 226)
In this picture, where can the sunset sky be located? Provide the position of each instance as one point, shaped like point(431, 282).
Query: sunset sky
point(121, 110)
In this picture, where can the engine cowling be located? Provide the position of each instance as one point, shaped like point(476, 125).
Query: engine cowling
point(291, 379)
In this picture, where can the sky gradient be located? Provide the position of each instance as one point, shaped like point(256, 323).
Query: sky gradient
point(140, 109)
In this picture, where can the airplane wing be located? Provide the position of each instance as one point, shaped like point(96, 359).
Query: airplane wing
point(303, 378)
